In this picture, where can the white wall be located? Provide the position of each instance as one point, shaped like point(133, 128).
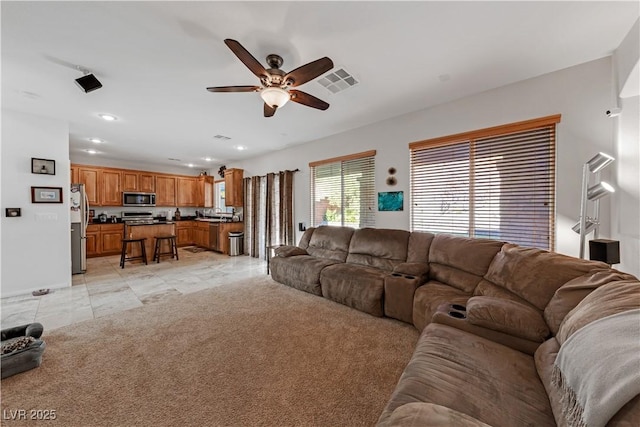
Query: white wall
point(35, 251)
point(626, 207)
point(581, 94)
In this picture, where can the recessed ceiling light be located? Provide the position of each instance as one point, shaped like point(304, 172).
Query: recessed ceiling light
point(96, 140)
point(108, 117)
point(191, 165)
point(91, 151)
point(208, 159)
point(240, 147)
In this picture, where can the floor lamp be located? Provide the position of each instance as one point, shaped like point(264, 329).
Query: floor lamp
point(591, 223)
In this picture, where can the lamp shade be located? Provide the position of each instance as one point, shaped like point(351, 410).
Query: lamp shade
point(590, 225)
point(599, 190)
point(275, 97)
point(599, 162)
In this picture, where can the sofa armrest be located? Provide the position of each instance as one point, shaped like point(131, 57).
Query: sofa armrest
point(455, 315)
point(507, 316)
point(431, 415)
point(416, 269)
point(288, 251)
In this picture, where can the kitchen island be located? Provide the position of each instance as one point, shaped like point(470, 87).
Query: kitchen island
point(148, 231)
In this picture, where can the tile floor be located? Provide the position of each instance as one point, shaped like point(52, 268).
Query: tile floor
point(106, 288)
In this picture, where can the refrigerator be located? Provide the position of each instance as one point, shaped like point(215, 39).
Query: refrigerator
point(79, 222)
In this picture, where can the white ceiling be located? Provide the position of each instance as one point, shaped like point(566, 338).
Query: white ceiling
point(155, 60)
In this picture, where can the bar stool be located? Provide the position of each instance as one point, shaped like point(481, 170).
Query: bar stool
point(125, 246)
point(173, 249)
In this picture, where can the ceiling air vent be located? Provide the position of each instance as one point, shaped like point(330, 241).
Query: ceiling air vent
point(338, 80)
point(221, 137)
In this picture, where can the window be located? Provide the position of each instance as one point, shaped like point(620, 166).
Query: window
point(343, 191)
point(496, 183)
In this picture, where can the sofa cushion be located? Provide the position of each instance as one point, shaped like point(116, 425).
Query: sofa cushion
point(357, 286)
point(612, 298)
point(506, 316)
point(378, 247)
point(306, 237)
point(419, 245)
point(429, 415)
point(428, 297)
point(571, 293)
point(475, 376)
point(459, 261)
point(301, 272)
point(535, 274)
point(287, 251)
point(330, 242)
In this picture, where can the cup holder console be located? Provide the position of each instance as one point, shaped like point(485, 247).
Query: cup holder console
point(458, 311)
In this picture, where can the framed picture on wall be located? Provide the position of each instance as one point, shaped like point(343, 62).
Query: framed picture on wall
point(46, 194)
point(43, 166)
point(390, 201)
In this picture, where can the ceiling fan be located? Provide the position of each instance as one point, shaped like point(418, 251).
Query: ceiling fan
point(276, 84)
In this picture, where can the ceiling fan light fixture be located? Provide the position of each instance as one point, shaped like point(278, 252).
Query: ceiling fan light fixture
point(275, 97)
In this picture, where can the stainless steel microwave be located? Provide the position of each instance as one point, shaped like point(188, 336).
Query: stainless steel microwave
point(138, 199)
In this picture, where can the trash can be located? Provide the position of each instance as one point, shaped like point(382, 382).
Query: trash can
point(236, 239)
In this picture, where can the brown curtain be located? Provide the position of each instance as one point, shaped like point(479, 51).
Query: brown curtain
point(268, 212)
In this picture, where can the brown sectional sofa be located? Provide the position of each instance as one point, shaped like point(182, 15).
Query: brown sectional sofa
point(493, 317)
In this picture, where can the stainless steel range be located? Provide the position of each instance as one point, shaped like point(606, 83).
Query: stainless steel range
point(139, 217)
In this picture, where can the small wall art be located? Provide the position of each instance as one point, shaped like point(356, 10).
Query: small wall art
point(391, 201)
point(43, 166)
point(46, 194)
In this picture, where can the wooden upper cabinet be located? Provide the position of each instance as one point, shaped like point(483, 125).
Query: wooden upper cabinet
point(205, 191)
point(234, 194)
point(146, 182)
point(129, 181)
point(187, 191)
point(165, 190)
point(111, 187)
point(89, 177)
point(74, 175)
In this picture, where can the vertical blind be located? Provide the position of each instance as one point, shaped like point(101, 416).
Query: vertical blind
point(496, 183)
point(343, 191)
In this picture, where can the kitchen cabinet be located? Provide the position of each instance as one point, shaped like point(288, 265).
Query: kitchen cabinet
point(233, 187)
point(104, 239)
point(205, 192)
point(89, 177)
point(187, 191)
point(93, 236)
point(184, 233)
point(110, 184)
point(129, 181)
point(223, 235)
point(165, 190)
point(201, 234)
point(111, 238)
point(138, 181)
point(146, 182)
point(74, 175)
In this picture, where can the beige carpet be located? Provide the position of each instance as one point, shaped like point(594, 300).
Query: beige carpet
point(253, 353)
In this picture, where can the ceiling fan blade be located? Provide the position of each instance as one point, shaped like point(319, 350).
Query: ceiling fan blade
point(269, 111)
point(309, 71)
point(247, 59)
point(309, 100)
point(233, 89)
